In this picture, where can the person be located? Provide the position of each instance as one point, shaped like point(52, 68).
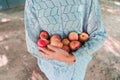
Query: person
point(61, 17)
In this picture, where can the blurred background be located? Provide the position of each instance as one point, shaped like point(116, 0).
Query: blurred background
point(17, 64)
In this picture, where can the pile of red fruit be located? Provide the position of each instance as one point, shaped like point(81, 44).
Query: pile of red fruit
point(71, 43)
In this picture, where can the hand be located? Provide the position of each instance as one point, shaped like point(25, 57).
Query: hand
point(56, 54)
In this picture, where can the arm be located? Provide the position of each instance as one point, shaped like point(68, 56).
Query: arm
point(56, 53)
point(32, 28)
point(94, 26)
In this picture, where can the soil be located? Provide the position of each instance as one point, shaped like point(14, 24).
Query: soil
point(20, 65)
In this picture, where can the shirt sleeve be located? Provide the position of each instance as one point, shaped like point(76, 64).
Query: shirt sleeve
point(32, 28)
point(95, 27)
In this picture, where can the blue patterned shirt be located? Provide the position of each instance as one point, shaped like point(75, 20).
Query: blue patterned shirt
point(61, 17)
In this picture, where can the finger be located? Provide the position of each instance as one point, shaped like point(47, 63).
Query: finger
point(45, 50)
point(53, 48)
point(40, 48)
point(45, 55)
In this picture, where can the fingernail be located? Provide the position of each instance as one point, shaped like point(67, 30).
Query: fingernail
point(48, 45)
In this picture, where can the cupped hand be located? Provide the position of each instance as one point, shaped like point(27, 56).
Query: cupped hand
point(55, 53)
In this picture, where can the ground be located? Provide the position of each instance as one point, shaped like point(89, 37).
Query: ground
point(18, 64)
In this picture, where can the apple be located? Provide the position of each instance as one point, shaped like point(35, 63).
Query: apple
point(83, 37)
point(73, 36)
point(57, 44)
point(55, 37)
point(66, 48)
point(41, 43)
point(44, 35)
point(66, 41)
point(74, 45)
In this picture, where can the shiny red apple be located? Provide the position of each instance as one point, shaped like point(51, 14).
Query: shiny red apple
point(66, 48)
point(44, 35)
point(41, 43)
point(83, 37)
point(73, 36)
point(66, 41)
point(74, 45)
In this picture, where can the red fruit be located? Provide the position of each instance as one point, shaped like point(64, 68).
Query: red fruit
point(44, 35)
point(65, 41)
point(55, 37)
point(57, 44)
point(83, 37)
point(66, 48)
point(74, 45)
point(73, 36)
point(41, 43)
